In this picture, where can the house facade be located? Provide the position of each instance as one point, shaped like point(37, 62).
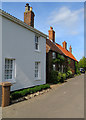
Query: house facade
point(58, 58)
point(23, 55)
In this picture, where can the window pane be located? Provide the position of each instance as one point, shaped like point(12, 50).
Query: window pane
point(36, 69)
point(53, 55)
point(8, 69)
point(36, 42)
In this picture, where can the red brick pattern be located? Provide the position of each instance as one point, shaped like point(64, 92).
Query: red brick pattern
point(29, 18)
point(51, 34)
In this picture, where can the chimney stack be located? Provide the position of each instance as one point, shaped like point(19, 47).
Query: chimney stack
point(70, 49)
point(51, 34)
point(64, 45)
point(29, 15)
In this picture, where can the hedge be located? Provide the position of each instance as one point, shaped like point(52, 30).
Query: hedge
point(18, 94)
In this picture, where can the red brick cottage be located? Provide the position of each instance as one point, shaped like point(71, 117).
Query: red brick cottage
point(53, 50)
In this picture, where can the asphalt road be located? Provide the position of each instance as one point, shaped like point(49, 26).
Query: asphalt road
point(64, 101)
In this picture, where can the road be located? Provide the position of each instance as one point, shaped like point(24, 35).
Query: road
point(63, 101)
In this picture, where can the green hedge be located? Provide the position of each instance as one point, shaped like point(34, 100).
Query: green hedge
point(17, 94)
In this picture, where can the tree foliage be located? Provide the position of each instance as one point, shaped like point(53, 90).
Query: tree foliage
point(77, 71)
point(82, 63)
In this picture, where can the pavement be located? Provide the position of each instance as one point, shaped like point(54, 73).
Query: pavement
point(63, 101)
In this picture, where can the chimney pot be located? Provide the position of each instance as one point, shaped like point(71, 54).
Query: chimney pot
point(30, 8)
point(51, 28)
point(27, 7)
point(70, 49)
point(27, 4)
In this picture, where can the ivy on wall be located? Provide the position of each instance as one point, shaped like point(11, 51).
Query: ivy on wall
point(60, 59)
point(69, 61)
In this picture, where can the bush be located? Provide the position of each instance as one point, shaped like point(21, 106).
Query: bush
point(69, 74)
point(19, 94)
point(59, 76)
point(64, 76)
point(56, 77)
point(53, 77)
point(15, 95)
point(62, 79)
point(78, 72)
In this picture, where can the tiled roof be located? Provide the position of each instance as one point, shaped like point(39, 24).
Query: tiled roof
point(66, 52)
point(52, 46)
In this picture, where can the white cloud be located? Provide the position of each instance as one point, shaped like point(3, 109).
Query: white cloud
point(67, 19)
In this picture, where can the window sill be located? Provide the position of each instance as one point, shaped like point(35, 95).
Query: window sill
point(37, 51)
point(37, 79)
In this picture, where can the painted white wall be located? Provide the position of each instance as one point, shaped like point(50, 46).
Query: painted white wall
point(19, 43)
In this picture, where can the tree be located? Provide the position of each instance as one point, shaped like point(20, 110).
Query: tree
point(76, 68)
point(82, 63)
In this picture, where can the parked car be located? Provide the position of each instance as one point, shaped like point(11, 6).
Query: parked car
point(82, 70)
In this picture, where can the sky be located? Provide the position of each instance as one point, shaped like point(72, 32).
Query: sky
point(66, 18)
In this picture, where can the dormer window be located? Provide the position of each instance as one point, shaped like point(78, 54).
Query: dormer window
point(36, 43)
point(53, 55)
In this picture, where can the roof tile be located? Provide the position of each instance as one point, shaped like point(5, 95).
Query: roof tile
point(51, 46)
point(66, 52)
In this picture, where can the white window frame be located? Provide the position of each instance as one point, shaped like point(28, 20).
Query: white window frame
point(12, 80)
point(53, 55)
point(54, 67)
point(36, 43)
point(39, 71)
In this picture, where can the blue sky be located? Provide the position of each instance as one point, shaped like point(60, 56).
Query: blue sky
point(67, 19)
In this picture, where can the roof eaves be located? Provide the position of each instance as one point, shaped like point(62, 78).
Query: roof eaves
point(14, 19)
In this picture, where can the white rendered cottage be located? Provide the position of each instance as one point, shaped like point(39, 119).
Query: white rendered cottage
point(22, 51)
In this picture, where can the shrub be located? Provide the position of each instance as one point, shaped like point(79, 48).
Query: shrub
point(78, 72)
point(15, 95)
point(59, 76)
point(53, 77)
point(64, 76)
point(69, 74)
point(18, 94)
